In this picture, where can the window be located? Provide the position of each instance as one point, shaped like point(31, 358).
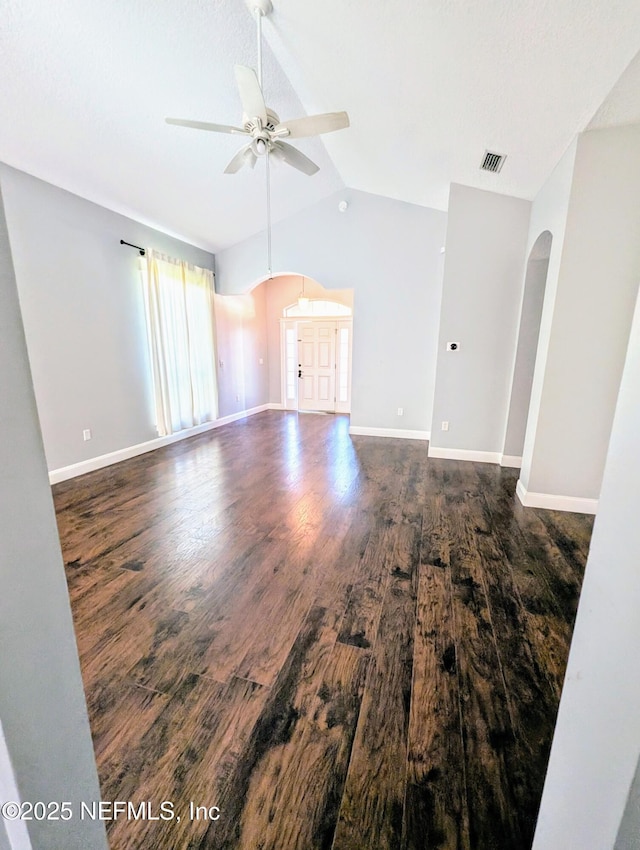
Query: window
point(290, 354)
point(317, 308)
point(179, 313)
point(343, 360)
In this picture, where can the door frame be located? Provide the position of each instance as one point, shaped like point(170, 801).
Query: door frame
point(291, 403)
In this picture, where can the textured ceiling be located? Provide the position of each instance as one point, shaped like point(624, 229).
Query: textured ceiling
point(86, 86)
point(429, 84)
point(622, 105)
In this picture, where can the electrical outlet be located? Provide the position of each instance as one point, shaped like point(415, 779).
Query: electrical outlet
point(445, 426)
point(86, 434)
point(401, 411)
point(261, 361)
point(237, 398)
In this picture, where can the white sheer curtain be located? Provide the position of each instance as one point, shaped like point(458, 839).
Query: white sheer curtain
point(180, 322)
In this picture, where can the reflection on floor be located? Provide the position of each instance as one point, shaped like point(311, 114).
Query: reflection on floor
point(336, 641)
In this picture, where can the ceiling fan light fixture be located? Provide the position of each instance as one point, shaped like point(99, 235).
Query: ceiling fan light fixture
point(260, 147)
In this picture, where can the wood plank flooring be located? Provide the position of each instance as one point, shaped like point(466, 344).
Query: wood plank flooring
point(338, 642)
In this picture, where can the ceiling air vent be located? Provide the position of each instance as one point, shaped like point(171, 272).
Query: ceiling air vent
point(492, 162)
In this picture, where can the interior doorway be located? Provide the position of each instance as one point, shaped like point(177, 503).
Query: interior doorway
point(316, 353)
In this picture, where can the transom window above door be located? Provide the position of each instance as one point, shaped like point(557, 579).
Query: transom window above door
point(316, 307)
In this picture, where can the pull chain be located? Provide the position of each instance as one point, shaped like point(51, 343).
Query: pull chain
point(268, 214)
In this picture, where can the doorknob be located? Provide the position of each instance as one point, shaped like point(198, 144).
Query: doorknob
point(299, 373)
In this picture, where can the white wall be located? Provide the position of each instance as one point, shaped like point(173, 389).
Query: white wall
point(482, 292)
point(596, 290)
point(388, 252)
point(42, 706)
point(283, 291)
point(597, 738)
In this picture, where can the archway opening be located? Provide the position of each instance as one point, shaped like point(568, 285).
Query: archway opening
point(315, 344)
point(526, 353)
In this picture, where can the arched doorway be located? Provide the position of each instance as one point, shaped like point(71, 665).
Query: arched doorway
point(529, 332)
point(316, 331)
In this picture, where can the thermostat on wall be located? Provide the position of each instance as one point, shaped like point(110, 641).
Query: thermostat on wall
point(453, 346)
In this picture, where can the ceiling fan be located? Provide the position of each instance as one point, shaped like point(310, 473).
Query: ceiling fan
point(262, 124)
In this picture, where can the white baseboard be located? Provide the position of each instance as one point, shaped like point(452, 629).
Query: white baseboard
point(574, 504)
point(90, 465)
point(398, 433)
point(465, 454)
point(511, 460)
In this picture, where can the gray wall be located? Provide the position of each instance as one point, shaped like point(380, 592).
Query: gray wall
point(597, 738)
point(596, 288)
point(4, 839)
point(388, 252)
point(42, 707)
point(629, 832)
point(13, 833)
point(241, 342)
point(528, 335)
point(482, 292)
point(548, 214)
point(81, 301)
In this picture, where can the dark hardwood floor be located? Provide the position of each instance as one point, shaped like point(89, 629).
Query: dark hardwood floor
point(337, 641)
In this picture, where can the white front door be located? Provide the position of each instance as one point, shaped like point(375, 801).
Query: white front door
point(317, 366)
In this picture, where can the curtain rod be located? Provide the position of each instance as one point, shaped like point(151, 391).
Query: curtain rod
point(137, 247)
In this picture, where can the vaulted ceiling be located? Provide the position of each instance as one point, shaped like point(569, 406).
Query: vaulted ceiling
point(428, 84)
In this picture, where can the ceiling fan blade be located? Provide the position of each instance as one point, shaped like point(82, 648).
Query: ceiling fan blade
point(313, 125)
point(244, 156)
point(251, 96)
point(292, 156)
point(204, 125)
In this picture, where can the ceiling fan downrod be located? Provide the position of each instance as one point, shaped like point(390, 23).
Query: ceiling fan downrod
point(261, 8)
